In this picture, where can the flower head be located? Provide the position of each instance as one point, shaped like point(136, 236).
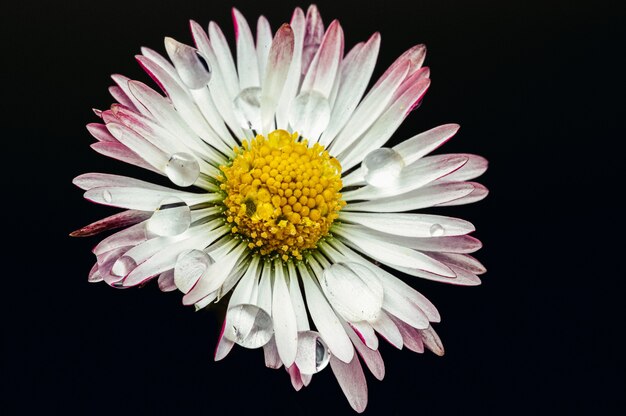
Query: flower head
point(294, 208)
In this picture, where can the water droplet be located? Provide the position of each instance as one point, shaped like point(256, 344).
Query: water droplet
point(312, 355)
point(190, 266)
point(436, 230)
point(182, 169)
point(248, 108)
point(173, 217)
point(382, 167)
point(106, 195)
point(123, 266)
point(248, 325)
point(309, 114)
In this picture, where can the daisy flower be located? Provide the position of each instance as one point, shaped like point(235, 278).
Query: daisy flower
point(283, 202)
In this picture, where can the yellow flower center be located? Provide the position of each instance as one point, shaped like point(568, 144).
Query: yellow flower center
point(282, 195)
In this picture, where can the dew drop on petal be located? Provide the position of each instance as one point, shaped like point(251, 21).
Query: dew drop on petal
point(248, 107)
point(173, 217)
point(312, 355)
point(436, 230)
point(382, 167)
point(106, 195)
point(248, 325)
point(190, 266)
point(309, 114)
point(123, 266)
point(182, 169)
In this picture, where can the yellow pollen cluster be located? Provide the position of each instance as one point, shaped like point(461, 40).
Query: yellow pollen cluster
point(282, 196)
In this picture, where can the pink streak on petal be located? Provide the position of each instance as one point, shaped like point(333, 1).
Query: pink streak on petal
point(119, 220)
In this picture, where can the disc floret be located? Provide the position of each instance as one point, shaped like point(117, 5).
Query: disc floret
point(282, 196)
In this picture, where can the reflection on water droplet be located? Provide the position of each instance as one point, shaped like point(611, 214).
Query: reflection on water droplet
point(190, 266)
point(248, 108)
point(309, 114)
point(312, 355)
point(382, 167)
point(248, 325)
point(106, 195)
point(436, 230)
point(171, 218)
point(123, 266)
point(182, 169)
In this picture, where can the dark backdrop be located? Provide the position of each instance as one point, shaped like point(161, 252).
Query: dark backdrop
point(537, 88)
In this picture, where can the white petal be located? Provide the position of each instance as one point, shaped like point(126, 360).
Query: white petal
point(120, 96)
point(245, 290)
point(264, 299)
point(321, 74)
point(292, 82)
point(247, 64)
point(410, 336)
point(214, 277)
point(366, 333)
point(278, 63)
point(313, 33)
point(188, 65)
point(428, 196)
point(130, 236)
point(166, 281)
point(224, 345)
point(263, 44)
point(224, 59)
point(399, 299)
point(385, 126)
point(160, 254)
point(352, 381)
point(285, 326)
point(118, 151)
point(409, 225)
point(475, 166)
point(170, 118)
point(158, 59)
point(141, 198)
point(388, 330)
point(353, 291)
point(100, 132)
point(371, 357)
point(139, 145)
point(389, 253)
point(88, 181)
point(432, 340)
point(124, 83)
point(478, 194)
point(370, 108)
point(272, 359)
point(296, 299)
point(463, 261)
point(224, 87)
point(189, 112)
point(354, 76)
point(412, 177)
point(325, 319)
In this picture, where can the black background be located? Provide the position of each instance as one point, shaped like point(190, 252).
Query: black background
point(537, 88)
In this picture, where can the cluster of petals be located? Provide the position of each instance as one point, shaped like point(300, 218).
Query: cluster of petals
point(334, 305)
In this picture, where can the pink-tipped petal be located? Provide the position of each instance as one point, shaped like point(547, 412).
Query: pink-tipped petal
point(278, 64)
point(122, 219)
point(313, 33)
point(322, 72)
point(166, 281)
point(352, 381)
